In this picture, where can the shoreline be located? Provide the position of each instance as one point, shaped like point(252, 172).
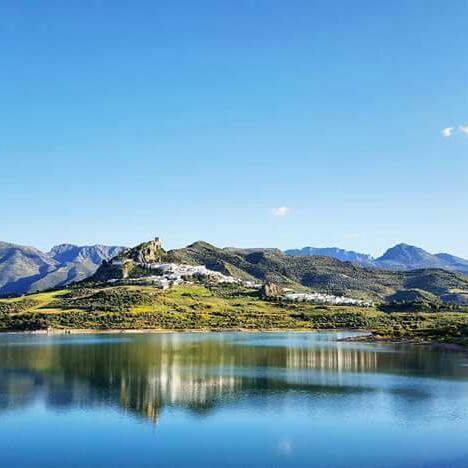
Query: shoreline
point(138, 331)
point(367, 337)
point(404, 341)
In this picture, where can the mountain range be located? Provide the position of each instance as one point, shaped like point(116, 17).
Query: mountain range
point(399, 257)
point(26, 269)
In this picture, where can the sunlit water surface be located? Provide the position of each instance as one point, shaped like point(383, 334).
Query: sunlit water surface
point(229, 399)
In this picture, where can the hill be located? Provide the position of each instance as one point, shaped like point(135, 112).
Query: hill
point(404, 256)
point(320, 274)
point(214, 307)
point(26, 269)
point(21, 267)
point(453, 263)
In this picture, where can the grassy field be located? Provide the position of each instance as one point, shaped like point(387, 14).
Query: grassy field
point(216, 308)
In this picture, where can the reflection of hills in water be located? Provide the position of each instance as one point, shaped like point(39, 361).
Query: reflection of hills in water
point(340, 359)
point(143, 374)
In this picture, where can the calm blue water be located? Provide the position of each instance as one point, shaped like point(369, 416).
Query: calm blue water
point(229, 399)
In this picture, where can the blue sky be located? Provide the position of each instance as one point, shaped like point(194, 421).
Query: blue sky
point(196, 120)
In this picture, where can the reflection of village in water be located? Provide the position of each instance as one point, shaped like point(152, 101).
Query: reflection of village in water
point(144, 374)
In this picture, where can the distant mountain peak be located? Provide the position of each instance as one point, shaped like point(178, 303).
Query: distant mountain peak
point(26, 269)
point(334, 252)
point(401, 256)
point(68, 253)
point(405, 252)
point(201, 245)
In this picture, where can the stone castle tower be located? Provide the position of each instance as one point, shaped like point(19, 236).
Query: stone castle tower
point(157, 243)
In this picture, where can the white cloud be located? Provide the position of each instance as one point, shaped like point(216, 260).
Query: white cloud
point(463, 129)
point(447, 132)
point(281, 211)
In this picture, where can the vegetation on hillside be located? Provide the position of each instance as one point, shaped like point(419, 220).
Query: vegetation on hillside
point(321, 274)
point(215, 308)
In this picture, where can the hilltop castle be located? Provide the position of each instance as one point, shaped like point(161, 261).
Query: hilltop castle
point(149, 252)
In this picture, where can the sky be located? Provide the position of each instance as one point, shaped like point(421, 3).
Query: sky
point(242, 123)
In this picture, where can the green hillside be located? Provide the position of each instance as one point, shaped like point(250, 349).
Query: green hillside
point(320, 274)
point(214, 307)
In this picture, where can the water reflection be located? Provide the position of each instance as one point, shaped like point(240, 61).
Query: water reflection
point(143, 374)
point(339, 359)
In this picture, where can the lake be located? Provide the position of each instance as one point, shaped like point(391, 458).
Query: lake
point(229, 399)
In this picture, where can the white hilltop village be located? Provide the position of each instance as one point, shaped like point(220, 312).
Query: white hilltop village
point(167, 275)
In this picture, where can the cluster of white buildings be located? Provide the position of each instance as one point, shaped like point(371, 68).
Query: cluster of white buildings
point(320, 298)
point(165, 275)
point(173, 274)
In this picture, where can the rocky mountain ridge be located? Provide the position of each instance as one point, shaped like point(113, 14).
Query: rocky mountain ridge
point(25, 269)
point(400, 257)
point(334, 252)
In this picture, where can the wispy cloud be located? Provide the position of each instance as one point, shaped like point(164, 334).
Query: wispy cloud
point(281, 211)
point(447, 132)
